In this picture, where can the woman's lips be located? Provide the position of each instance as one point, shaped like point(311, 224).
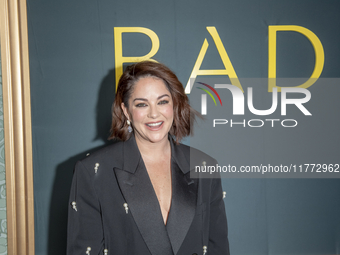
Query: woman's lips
point(154, 125)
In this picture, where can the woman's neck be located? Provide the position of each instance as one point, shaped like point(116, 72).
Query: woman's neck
point(153, 150)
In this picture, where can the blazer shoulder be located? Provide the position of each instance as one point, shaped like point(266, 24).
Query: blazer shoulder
point(111, 154)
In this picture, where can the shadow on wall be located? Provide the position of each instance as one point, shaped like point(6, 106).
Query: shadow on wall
point(57, 229)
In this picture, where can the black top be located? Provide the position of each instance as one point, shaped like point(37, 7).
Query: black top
point(114, 208)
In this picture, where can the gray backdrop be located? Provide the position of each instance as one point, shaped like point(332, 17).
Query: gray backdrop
point(72, 88)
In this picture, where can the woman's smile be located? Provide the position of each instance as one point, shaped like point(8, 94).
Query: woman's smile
point(154, 125)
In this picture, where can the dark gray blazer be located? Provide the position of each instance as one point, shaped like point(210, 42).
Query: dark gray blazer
point(114, 208)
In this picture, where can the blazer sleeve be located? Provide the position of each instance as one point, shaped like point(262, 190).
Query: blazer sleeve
point(218, 229)
point(85, 231)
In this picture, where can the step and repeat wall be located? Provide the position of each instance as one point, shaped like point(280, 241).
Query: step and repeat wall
point(264, 74)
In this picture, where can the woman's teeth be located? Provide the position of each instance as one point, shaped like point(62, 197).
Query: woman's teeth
point(154, 124)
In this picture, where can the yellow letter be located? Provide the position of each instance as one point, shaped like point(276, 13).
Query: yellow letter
point(229, 70)
point(120, 60)
point(319, 55)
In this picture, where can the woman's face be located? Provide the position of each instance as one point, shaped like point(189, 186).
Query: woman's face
point(150, 110)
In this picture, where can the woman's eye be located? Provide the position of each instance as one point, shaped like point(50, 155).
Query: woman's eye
point(141, 105)
point(163, 102)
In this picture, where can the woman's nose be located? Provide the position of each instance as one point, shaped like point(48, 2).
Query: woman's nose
point(153, 112)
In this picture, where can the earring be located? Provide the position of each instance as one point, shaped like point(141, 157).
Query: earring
point(129, 127)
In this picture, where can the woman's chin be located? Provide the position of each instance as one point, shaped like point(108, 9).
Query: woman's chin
point(158, 138)
point(154, 138)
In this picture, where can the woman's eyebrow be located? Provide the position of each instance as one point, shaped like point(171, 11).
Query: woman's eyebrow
point(141, 99)
point(144, 99)
point(165, 95)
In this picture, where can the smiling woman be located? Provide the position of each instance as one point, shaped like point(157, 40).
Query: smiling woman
point(136, 196)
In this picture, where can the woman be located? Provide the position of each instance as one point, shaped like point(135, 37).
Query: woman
point(136, 196)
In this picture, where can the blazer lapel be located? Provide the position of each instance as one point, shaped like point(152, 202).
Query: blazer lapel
point(141, 198)
point(184, 198)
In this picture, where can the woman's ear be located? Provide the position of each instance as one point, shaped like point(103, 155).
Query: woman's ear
point(125, 110)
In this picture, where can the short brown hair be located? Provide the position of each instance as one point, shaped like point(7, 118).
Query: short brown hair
point(184, 114)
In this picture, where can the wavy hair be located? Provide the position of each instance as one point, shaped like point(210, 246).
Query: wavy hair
point(184, 114)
